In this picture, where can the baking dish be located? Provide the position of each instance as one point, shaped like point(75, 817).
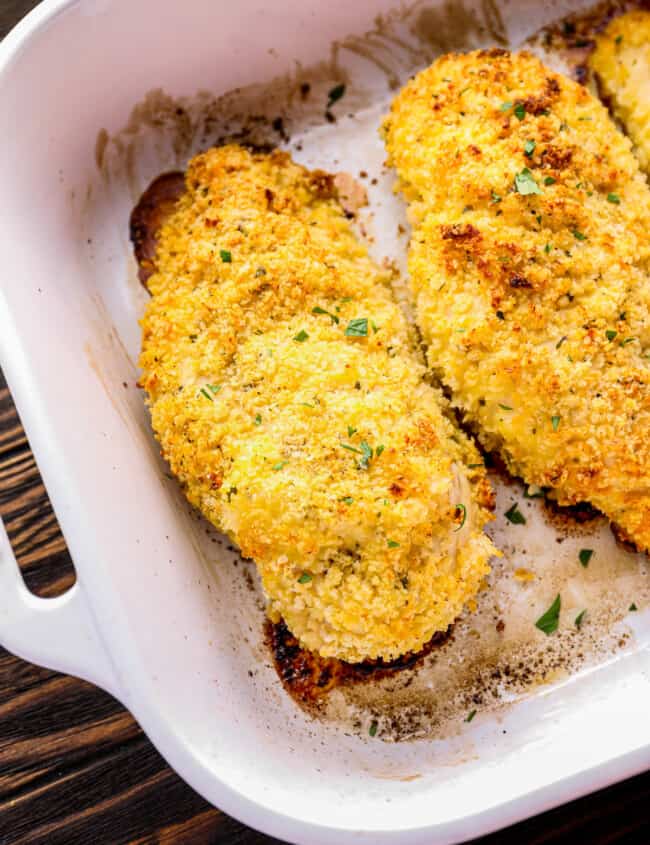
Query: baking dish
point(151, 618)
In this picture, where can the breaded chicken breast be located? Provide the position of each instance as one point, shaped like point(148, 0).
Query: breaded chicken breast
point(289, 403)
point(529, 267)
point(621, 62)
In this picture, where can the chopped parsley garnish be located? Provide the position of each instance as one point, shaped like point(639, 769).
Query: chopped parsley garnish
point(305, 578)
point(547, 248)
point(584, 556)
point(473, 466)
point(505, 407)
point(579, 236)
point(610, 334)
point(306, 404)
point(515, 516)
point(392, 544)
point(319, 310)
point(375, 327)
point(279, 465)
point(351, 430)
point(378, 451)
point(348, 500)
point(301, 337)
point(560, 341)
point(520, 111)
point(525, 183)
point(614, 198)
point(372, 730)
point(618, 39)
point(357, 327)
point(627, 340)
point(261, 271)
point(579, 618)
point(555, 422)
point(548, 622)
point(206, 394)
point(463, 510)
point(470, 715)
point(335, 94)
point(505, 106)
point(529, 148)
point(549, 180)
point(633, 607)
point(495, 197)
point(365, 451)
point(226, 256)
point(258, 419)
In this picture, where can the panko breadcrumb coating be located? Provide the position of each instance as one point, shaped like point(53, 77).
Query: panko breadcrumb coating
point(290, 405)
point(529, 268)
point(621, 62)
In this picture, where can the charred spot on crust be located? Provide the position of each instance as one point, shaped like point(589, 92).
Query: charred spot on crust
point(541, 103)
point(556, 158)
point(519, 281)
point(459, 232)
point(149, 215)
point(307, 676)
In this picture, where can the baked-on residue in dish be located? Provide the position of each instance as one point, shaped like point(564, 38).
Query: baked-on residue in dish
point(529, 269)
point(289, 403)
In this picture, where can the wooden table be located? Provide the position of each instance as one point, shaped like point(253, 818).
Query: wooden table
point(76, 768)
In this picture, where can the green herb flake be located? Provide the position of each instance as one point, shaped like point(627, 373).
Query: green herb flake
point(301, 337)
point(306, 404)
point(614, 198)
point(375, 327)
point(505, 106)
point(515, 516)
point(549, 180)
point(206, 394)
point(335, 94)
point(351, 448)
point(525, 183)
point(632, 607)
point(495, 197)
point(618, 39)
point(470, 715)
point(357, 327)
point(584, 556)
point(529, 149)
point(277, 467)
point(610, 334)
point(520, 111)
point(258, 419)
point(351, 430)
point(379, 450)
point(463, 510)
point(226, 256)
point(474, 466)
point(505, 407)
point(213, 388)
point(579, 618)
point(555, 422)
point(392, 544)
point(372, 730)
point(319, 310)
point(548, 622)
point(627, 340)
point(348, 500)
point(367, 455)
point(305, 578)
point(579, 236)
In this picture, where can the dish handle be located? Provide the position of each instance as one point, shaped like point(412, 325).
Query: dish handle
point(58, 633)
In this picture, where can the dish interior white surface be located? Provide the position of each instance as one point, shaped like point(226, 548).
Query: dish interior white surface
point(172, 604)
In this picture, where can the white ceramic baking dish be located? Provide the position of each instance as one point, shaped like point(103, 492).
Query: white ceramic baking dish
point(151, 618)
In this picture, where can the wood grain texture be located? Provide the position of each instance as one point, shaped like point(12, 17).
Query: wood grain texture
point(76, 769)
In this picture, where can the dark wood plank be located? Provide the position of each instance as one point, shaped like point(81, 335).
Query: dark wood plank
point(74, 766)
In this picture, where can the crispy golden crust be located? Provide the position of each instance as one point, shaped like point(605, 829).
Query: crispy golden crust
point(534, 305)
point(267, 410)
point(621, 62)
